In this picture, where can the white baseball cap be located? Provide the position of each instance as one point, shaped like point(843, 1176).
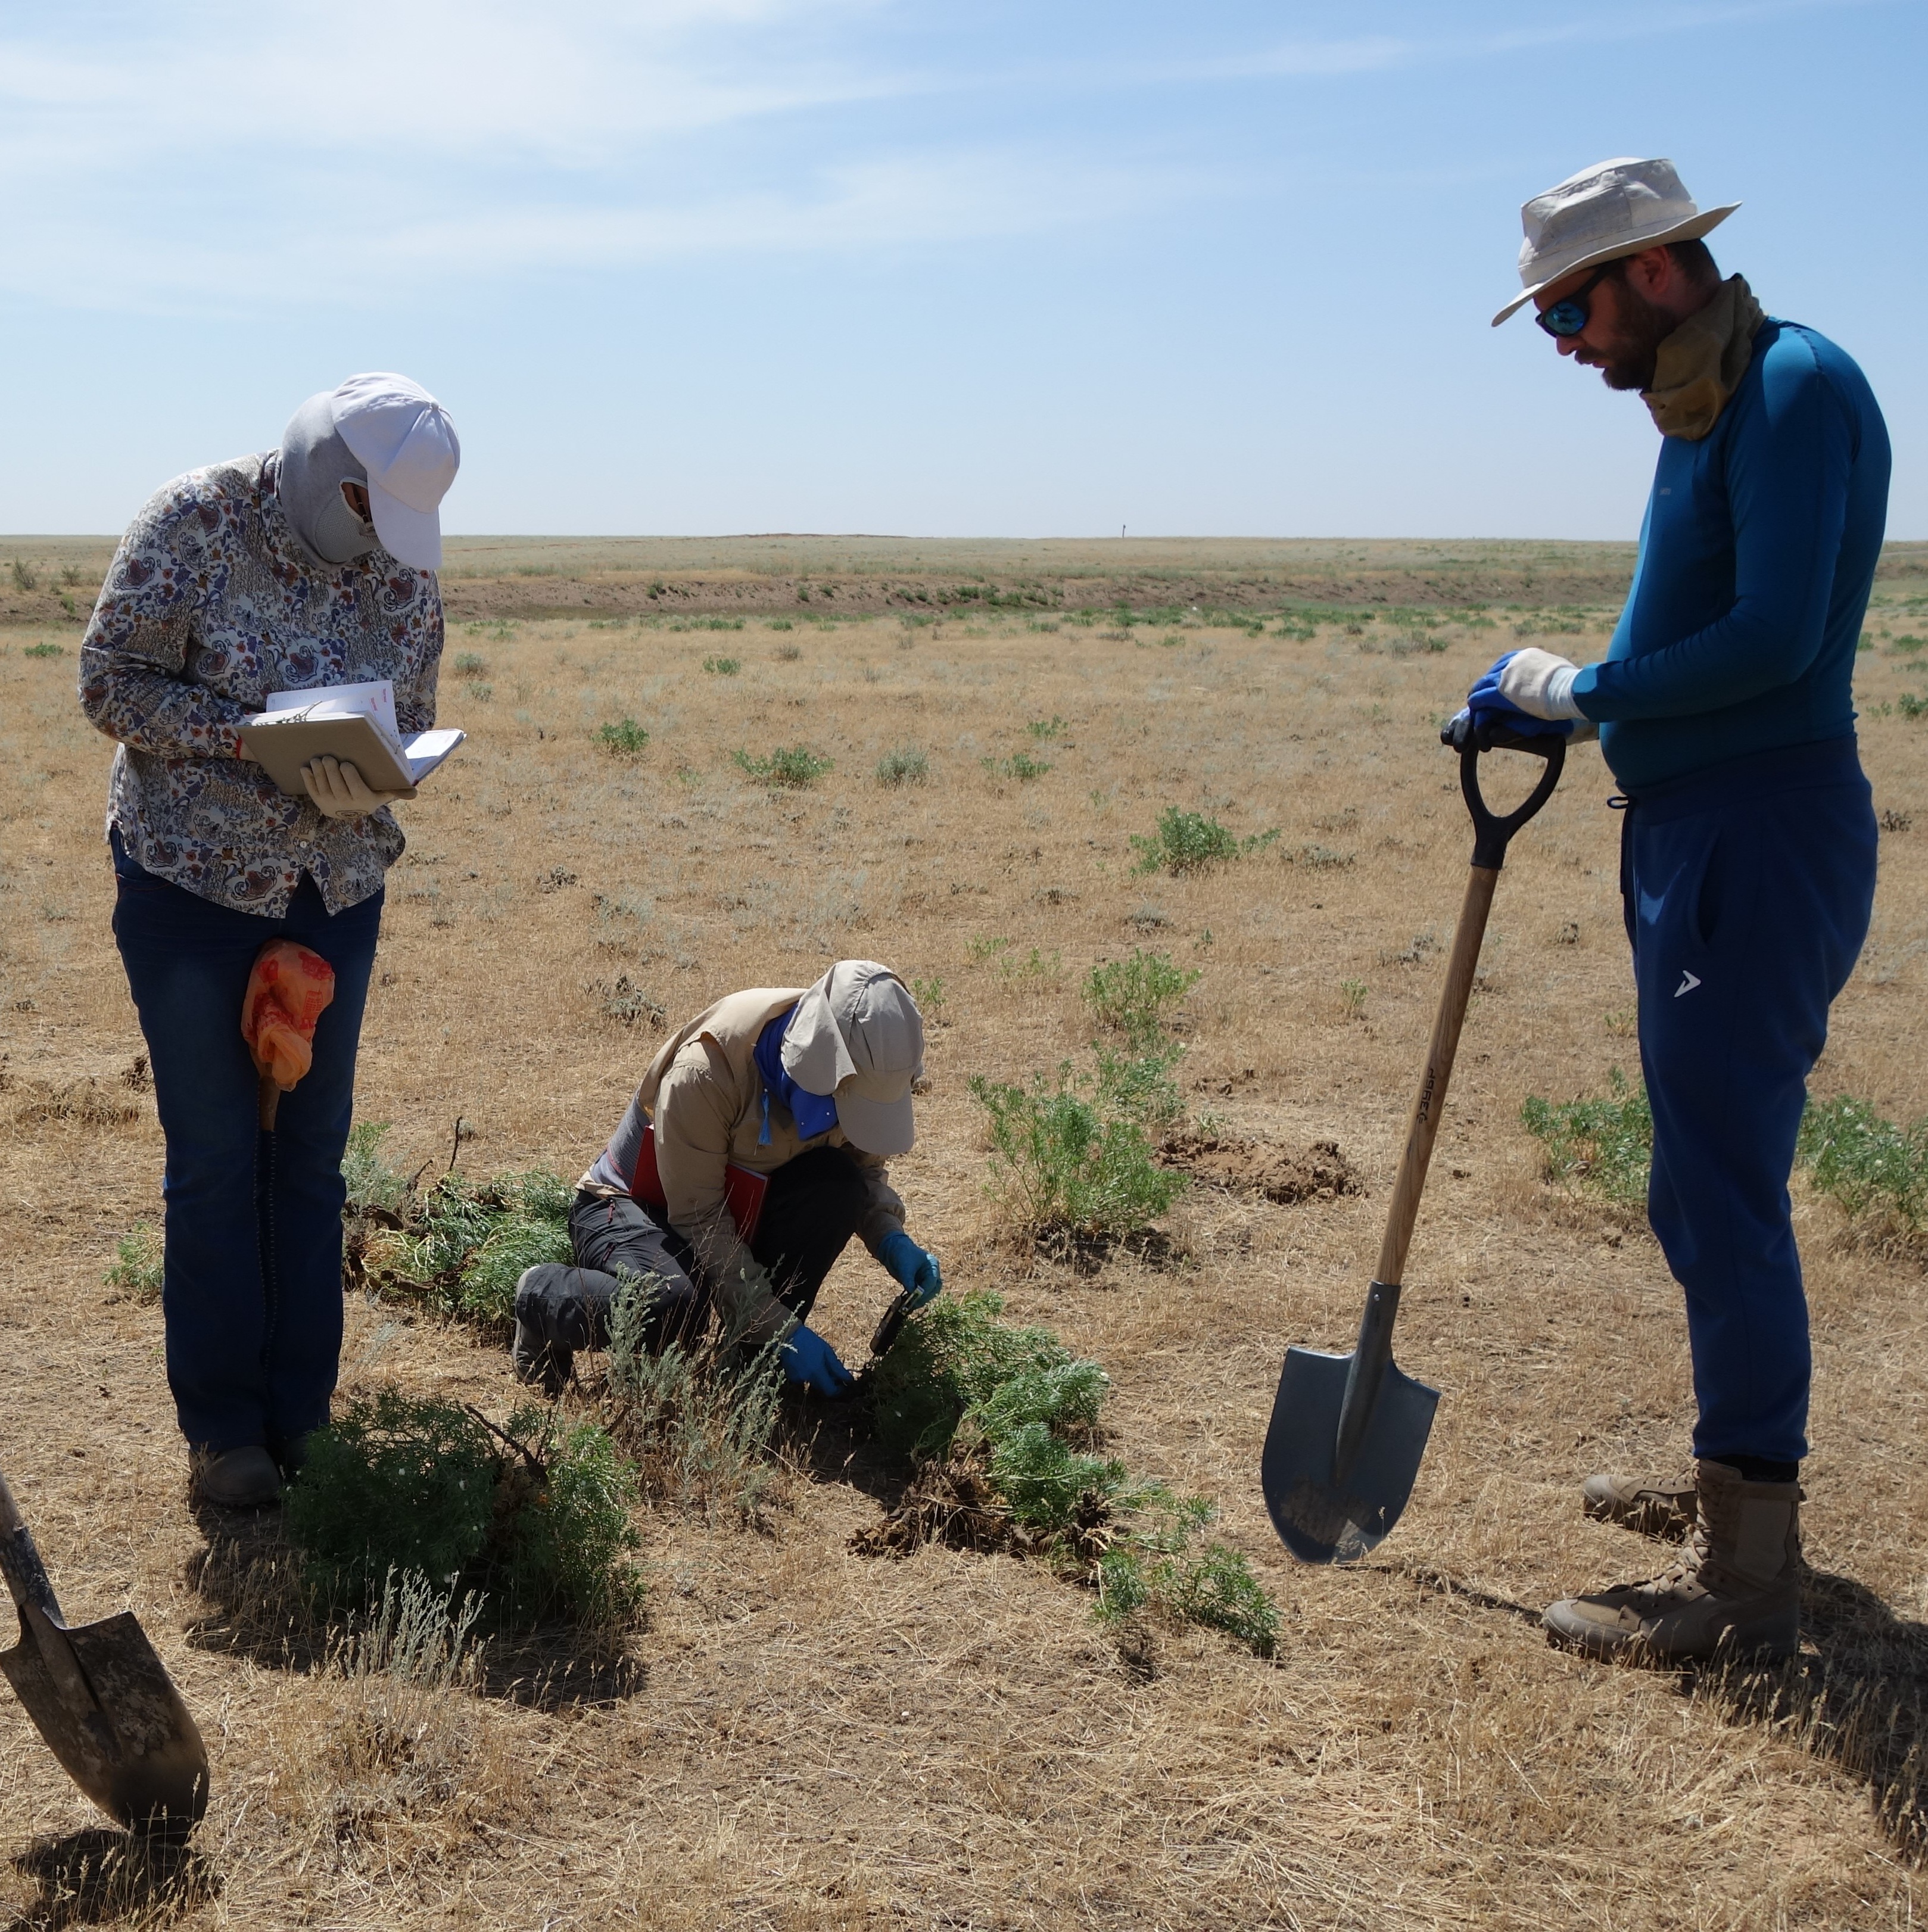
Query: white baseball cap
point(1613, 209)
point(857, 1034)
point(403, 437)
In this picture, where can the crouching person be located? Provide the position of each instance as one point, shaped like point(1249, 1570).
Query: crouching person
point(753, 1150)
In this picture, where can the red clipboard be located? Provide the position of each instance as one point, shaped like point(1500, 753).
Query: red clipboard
point(743, 1190)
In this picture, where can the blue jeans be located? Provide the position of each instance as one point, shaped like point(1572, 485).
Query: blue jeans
point(1747, 891)
point(252, 1286)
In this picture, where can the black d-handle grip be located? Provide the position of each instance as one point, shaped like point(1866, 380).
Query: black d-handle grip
point(1491, 832)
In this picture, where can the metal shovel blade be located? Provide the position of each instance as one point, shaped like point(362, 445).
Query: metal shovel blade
point(108, 1711)
point(1325, 1513)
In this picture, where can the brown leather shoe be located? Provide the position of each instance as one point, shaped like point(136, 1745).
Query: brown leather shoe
point(1648, 1505)
point(1734, 1592)
point(237, 1478)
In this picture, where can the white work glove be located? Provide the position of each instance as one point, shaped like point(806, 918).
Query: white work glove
point(338, 791)
point(1539, 684)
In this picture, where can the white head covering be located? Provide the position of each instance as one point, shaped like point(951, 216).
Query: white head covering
point(1613, 209)
point(857, 1034)
point(404, 436)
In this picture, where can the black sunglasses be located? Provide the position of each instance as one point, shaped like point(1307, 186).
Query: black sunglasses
point(1570, 314)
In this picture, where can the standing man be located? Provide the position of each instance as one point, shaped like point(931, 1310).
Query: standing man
point(1747, 867)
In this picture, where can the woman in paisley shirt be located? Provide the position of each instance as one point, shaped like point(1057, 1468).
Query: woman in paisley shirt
point(312, 565)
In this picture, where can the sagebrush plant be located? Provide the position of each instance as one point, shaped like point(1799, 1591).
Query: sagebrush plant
point(415, 1631)
point(1148, 1567)
point(795, 766)
point(1020, 765)
point(373, 1180)
point(700, 1421)
point(1190, 841)
point(1065, 1165)
point(471, 1240)
point(905, 765)
point(959, 1383)
point(136, 1268)
point(625, 738)
point(1875, 1169)
point(1603, 1147)
point(1138, 997)
point(401, 1486)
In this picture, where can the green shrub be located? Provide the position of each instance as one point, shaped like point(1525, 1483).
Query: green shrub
point(137, 1270)
point(475, 1238)
point(44, 650)
point(1910, 704)
point(795, 766)
point(1190, 841)
point(1134, 996)
point(1876, 1170)
point(950, 1358)
point(929, 994)
point(402, 1487)
point(1140, 1088)
point(565, 1550)
point(396, 1482)
point(26, 577)
point(1604, 1147)
point(1053, 727)
point(373, 1180)
point(471, 664)
point(1149, 1568)
point(906, 765)
point(723, 666)
point(625, 739)
point(1060, 1167)
point(1045, 1481)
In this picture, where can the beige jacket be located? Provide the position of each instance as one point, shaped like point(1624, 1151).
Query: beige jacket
point(705, 1097)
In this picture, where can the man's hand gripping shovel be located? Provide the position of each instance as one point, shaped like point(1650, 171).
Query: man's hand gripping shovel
point(1348, 1432)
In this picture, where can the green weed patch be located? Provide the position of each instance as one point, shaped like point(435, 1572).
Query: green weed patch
point(1604, 1148)
point(624, 739)
point(796, 766)
point(1137, 996)
point(464, 1244)
point(1875, 1170)
point(1191, 841)
point(137, 1267)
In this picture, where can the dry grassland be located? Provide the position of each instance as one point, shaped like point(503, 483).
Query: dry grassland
point(806, 1739)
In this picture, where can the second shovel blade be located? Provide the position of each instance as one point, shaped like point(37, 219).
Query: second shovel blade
point(139, 1756)
point(1320, 1519)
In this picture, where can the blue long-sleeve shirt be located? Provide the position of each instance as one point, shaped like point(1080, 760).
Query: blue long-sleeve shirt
point(1757, 554)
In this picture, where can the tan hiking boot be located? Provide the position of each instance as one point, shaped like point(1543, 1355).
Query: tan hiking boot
point(1648, 1505)
point(1734, 1592)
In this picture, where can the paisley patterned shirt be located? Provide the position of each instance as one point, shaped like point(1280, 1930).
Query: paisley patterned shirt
point(211, 603)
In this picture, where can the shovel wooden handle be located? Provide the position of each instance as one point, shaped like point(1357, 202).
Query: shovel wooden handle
point(1491, 831)
point(1423, 1126)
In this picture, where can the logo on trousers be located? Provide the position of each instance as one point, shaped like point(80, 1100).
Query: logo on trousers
point(1688, 982)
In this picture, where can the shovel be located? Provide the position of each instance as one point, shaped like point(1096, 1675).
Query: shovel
point(1348, 1432)
point(101, 1699)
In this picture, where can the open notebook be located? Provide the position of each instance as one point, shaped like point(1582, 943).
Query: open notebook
point(355, 723)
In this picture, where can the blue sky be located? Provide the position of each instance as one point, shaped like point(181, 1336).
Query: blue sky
point(989, 269)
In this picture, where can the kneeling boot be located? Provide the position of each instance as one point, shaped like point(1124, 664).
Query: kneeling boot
point(558, 1309)
point(1735, 1590)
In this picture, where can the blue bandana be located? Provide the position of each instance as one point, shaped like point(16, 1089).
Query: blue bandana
point(815, 1114)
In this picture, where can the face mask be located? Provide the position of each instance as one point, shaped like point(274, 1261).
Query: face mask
point(340, 536)
point(315, 463)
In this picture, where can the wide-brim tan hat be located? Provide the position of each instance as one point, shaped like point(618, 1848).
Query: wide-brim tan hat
point(1611, 209)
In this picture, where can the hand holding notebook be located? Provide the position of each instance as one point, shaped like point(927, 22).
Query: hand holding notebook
point(353, 725)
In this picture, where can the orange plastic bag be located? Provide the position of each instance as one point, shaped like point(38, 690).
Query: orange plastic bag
point(286, 993)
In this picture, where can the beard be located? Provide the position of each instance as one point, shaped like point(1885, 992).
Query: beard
point(1628, 361)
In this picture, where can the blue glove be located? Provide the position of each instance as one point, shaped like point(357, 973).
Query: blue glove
point(809, 1359)
point(1489, 708)
point(914, 1268)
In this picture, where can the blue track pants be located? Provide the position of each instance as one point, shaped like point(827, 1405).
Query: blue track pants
point(1747, 891)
